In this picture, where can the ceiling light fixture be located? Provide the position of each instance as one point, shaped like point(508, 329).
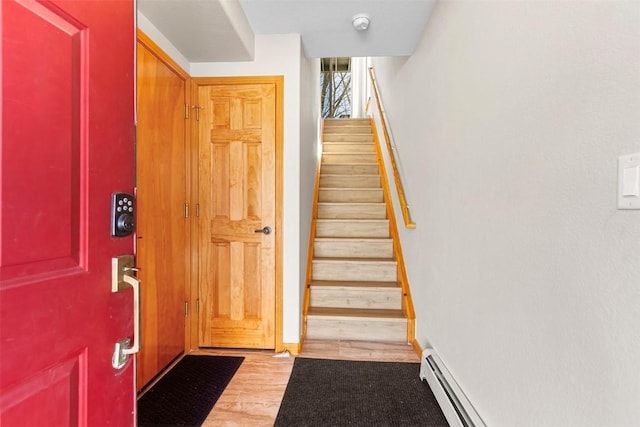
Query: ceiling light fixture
point(361, 22)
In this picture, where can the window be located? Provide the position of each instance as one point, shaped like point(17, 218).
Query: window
point(335, 87)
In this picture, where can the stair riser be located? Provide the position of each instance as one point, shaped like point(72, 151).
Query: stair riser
point(348, 148)
point(350, 181)
point(353, 249)
point(346, 169)
point(352, 211)
point(368, 329)
point(352, 121)
point(343, 297)
point(352, 229)
point(354, 271)
point(366, 129)
point(350, 137)
point(360, 196)
point(349, 158)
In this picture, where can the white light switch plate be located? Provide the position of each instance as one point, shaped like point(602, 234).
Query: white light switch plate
point(629, 181)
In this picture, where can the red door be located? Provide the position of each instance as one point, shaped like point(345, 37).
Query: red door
point(67, 145)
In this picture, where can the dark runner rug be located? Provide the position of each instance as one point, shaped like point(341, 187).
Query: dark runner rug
point(348, 393)
point(186, 394)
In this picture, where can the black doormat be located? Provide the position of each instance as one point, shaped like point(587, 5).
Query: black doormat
point(348, 393)
point(186, 394)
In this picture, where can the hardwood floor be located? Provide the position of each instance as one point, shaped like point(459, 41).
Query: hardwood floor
point(253, 396)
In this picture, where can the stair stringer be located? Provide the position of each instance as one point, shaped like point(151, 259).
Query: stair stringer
point(312, 238)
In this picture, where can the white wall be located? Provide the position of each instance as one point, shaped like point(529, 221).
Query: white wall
point(279, 55)
point(509, 118)
point(359, 80)
point(154, 34)
point(309, 141)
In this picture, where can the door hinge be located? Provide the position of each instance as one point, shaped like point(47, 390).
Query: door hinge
point(197, 306)
point(197, 210)
point(186, 309)
point(186, 210)
point(186, 111)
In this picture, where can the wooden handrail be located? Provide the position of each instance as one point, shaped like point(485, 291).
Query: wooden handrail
point(403, 278)
point(404, 206)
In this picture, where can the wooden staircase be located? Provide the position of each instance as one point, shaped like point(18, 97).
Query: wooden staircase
point(354, 291)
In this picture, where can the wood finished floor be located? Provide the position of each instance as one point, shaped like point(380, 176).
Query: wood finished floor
point(253, 396)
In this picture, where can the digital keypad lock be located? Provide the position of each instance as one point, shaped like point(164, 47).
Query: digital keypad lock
point(122, 214)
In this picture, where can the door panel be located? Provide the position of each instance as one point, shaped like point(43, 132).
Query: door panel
point(60, 98)
point(162, 250)
point(237, 182)
point(67, 144)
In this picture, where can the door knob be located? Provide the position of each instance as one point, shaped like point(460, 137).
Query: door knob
point(265, 230)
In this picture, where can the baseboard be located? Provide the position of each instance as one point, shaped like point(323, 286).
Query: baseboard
point(293, 348)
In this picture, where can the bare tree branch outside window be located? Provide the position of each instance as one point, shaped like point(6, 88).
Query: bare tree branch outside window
point(335, 87)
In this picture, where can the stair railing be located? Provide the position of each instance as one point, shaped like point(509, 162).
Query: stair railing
point(392, 150)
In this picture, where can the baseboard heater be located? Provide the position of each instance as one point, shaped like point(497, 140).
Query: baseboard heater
point(455, 405)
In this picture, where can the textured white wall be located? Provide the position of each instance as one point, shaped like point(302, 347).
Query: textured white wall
point(279, 55)
point(309, 140)
point(359, 81)
point(509, 118)
point(154, 34)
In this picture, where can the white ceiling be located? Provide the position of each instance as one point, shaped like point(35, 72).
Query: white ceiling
point(223, 30)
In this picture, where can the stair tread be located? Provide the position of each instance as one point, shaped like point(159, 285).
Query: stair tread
point(369, 144)
point(366, 147)
point(340, 220)
point(352, 203)
point(351, 259)
point(359, 144)
point(340, 175)
point(353, 164)
point(352, 220)
point(368, 175)
point(355, 122)
point(349, 153)
point(346, 119)
point(377, 189)
point(347, 164)
point(362, 122)
point(356, 312)
point(349, 130)
point(369, 165)
point(351, 238)
point(344, 157)
point(346, 147)
point(350, 164)
point(354, 284)
point(349, 181)
point(373, 162)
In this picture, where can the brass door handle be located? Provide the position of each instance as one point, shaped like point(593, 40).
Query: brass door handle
point(121, 280)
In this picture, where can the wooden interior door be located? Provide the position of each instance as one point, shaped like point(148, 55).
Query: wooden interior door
point(161, 183)
point(67, 145)
point(237, 197)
